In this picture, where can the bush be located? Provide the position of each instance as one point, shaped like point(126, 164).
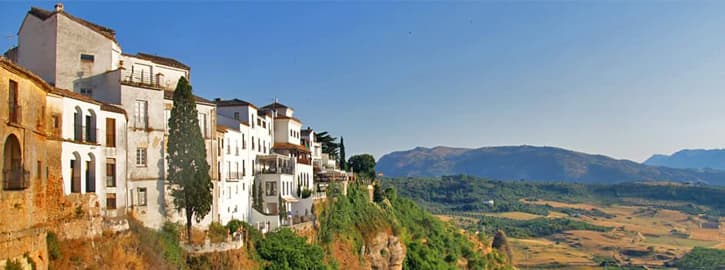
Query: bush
point(702, 258)
point(51, 240)
point(306, 193)
point(13, 265)
point(217, 232)
point(234, 225)
point(283, 249)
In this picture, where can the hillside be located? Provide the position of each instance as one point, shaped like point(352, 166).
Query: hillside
point(351, 232)
point(553, 225)
point(691, 159)
point(532, 163)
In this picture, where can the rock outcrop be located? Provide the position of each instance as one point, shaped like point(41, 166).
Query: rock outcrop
point(385, 252)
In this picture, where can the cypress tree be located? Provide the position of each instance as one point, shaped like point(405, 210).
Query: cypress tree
point(500, 242)
point(343, 160)
point(188, 171)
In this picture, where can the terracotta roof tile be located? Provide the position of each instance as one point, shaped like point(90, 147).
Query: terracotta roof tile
point(232, 102)
point(45, 14)
point(162, 60)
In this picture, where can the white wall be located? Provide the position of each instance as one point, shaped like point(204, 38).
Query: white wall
point(36, 46)
point(74, 39)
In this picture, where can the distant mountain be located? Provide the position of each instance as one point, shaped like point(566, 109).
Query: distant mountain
point(691, 159)
point(532, 163)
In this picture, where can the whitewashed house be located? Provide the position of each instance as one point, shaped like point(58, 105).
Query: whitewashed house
point(93, 157)
point(207, 124)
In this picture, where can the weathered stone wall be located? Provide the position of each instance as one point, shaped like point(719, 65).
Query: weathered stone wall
point(23, 211)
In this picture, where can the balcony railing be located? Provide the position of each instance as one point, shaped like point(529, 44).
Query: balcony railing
point(16, 179)
point(304, 160)
point(15, 114)
point(234, 176)
point(85, 134)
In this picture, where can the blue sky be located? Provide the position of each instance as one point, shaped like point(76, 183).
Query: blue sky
point(624, 79)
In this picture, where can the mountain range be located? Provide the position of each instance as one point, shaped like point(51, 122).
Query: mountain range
point(691, 159)
point(533, 163)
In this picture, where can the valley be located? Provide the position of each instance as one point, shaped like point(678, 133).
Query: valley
point(563, 225)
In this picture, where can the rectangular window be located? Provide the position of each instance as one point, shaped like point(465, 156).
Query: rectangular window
point(140, 114)
point(229, 148)
point(111, 201)
point(202, 125)
point(39, 170)
point(236, 170)
point(87, 57)
point(141, 196)
point(229, 169)
point(251, 121)
point(244, 142)
point(55, 121)
point(87, 92)
point(252, 142)
point(244, 168)
point(236, 115)
point(271, 188)
point(13, 108)
point(110, 172)
point(140, 156)
point(110, 132)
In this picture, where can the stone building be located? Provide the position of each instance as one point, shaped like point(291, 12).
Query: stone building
point(25, 165)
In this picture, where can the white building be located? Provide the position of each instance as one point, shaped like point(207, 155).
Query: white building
point(207, 123)
point(93, 157)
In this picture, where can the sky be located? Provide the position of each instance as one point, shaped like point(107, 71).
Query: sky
point(626, 79)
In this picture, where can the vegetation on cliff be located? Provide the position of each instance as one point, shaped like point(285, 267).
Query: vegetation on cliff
point(702, 258)
point(430, 243)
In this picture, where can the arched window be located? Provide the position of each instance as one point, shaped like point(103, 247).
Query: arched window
point(14, 177)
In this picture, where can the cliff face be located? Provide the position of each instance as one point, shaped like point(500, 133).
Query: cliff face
point(385, 252)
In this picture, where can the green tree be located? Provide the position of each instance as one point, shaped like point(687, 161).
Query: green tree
point(343, 160)
point(329, 146)
point(501, 243)
point(188, 171)
point(283, 249)
point(363, 165)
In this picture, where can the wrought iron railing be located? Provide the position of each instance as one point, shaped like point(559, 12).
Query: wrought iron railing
point(16, 179)
point(15, 113)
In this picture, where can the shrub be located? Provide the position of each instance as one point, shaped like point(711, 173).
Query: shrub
point(306, 193)
point(217, 232)
point(13, 265)
point(283, 249)
point(234, 225)
point(51, 240)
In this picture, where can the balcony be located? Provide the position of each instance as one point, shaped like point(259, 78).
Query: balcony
point(83, 134)
point(143, 78)
point(15, 114)
point(304, 160)
point(234, 176)
point(16, 179)
point(274, 164)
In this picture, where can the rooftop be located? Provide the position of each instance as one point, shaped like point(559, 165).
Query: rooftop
point(45, 14)
point(160, 60)
point(232, 102)
point(168, 94)
point(276, 105)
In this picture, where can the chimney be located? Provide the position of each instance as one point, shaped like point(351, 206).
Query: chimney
point(58, 7)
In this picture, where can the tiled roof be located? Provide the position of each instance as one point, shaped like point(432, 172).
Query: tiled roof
point(77, 96)
point(232, 102)
point(289, 146)
point(45, 14)
point(288, 118)
point(276, 105)
point(170, 95)
point(7, 63)
point(161, 60)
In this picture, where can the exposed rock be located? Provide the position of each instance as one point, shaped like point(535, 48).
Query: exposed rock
point(385, 252)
